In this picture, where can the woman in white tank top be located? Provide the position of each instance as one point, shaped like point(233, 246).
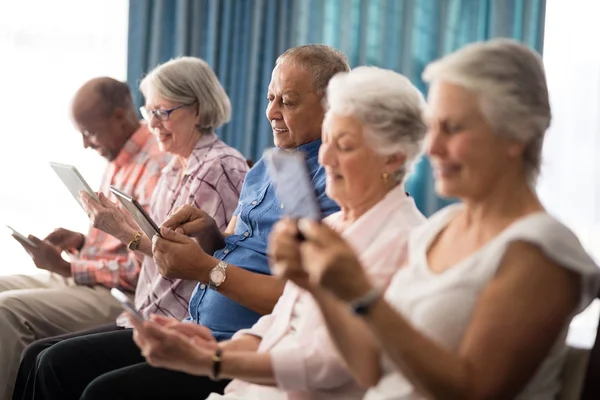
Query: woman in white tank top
point(482, 308)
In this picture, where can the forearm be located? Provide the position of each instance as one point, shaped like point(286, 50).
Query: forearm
point(435, 372)
point(128, 233)
point(255, 291)
point(243, 343)
point(364, 364)
point(248, 366)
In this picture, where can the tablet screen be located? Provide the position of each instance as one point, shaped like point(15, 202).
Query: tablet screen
point(138, 213)
point(292, 184)
point(73, 180)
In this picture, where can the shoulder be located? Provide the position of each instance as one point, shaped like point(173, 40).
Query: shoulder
point(539, 245)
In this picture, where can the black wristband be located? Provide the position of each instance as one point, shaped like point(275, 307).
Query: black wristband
point(362, 305)
point(216, 366)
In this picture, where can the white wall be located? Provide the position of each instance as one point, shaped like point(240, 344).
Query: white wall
point(47, 50)
point(569, 185)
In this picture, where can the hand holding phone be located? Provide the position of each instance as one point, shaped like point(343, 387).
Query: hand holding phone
point(127, 304)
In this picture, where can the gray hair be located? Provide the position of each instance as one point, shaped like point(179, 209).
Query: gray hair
point(509, 79)
point(187, 80)
point(388, 105)
point(321, 61)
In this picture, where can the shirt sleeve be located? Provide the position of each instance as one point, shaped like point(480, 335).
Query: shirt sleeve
point(120, 272)
point(310, 365)
point(219, 193)
point(265, 323)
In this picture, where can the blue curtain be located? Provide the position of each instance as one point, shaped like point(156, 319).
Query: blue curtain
point(241, 39)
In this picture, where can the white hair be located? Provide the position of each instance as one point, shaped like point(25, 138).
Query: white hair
point(509, 80)
point(187, 80)
point(389, 107)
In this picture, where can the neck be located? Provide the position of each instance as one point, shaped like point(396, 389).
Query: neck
point(509, 199)
point(352, 211)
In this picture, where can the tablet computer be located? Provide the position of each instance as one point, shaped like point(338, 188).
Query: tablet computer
point(73, 181)
point(22, 237)
point(138, 213)
point(293, 186)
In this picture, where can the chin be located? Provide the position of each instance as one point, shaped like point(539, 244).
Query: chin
point(445, 189)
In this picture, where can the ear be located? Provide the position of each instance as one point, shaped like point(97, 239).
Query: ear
point(119, 114)
point(515, 148)
point(394, 162)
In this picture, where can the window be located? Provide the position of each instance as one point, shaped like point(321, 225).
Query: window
point(49, 48)
point(569, 186)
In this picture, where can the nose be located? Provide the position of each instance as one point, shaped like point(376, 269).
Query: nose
point(434, 142)
point(326, 155)
point(154, 122)
point(273, 111)
point(86, 142)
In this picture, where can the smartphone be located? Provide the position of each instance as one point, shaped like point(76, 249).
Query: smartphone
point(293, 186)
point(127, 304)
point(22, 237)
point(138, 213)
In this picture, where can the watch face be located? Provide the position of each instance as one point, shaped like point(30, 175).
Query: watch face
point(217, 276)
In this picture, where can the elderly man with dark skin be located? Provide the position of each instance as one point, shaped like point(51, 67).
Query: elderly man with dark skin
point(66, 297)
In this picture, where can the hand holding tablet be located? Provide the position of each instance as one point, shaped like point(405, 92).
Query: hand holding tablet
point(22, 238)
point(146, 224)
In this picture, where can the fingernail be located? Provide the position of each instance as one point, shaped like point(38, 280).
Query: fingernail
point(304, 224)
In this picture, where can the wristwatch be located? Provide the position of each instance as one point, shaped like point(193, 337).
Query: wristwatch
point(135, 242)
point(217, 275)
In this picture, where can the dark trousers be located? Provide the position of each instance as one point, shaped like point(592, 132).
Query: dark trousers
point(109, 365)
point(24, 386)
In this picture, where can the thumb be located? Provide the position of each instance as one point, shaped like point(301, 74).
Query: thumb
point(173, 236)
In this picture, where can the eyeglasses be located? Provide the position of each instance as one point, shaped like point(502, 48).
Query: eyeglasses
point(161, 115)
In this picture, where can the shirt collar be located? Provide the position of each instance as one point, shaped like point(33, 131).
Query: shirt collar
point(133, 146)
point(363, 231)
point(196, 158)
point(311, 149)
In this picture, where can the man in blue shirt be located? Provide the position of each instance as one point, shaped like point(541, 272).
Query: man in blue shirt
point(235, 286)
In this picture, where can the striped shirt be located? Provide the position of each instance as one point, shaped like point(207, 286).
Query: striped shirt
point(210, 179)
point(105, 260)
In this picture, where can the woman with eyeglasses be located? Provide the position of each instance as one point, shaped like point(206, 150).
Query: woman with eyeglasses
point(185, 103)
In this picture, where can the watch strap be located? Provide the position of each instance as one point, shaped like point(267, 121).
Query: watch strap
point(363, 304)
point(221, 266)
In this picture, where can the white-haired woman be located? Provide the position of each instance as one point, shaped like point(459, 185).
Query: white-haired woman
point(482, 309)
point(185, 103)
point(372, 132)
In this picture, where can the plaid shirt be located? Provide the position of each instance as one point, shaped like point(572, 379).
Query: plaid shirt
point(210, 179)
point(105, 260)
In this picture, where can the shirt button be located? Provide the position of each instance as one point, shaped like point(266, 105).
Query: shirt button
point(254, 202)
point(246, 234)
point(226, 251)
point(202, 287)
point(281, 205)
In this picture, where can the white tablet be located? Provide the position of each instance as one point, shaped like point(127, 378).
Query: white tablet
point(22, 237)
point(73, 180)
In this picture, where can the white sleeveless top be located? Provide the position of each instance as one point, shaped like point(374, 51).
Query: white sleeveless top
point(440, 305)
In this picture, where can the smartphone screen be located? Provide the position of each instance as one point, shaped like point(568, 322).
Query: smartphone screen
point(293, 186)
point(126, 304)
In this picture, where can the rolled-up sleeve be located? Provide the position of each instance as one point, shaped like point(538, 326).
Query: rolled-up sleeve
point(310, 365)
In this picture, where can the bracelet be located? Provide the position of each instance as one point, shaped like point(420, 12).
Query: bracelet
point(363, 304)
point(135, 242)
point(217, 358)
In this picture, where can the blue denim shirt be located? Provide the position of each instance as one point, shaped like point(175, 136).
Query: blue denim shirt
point(257, 211)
